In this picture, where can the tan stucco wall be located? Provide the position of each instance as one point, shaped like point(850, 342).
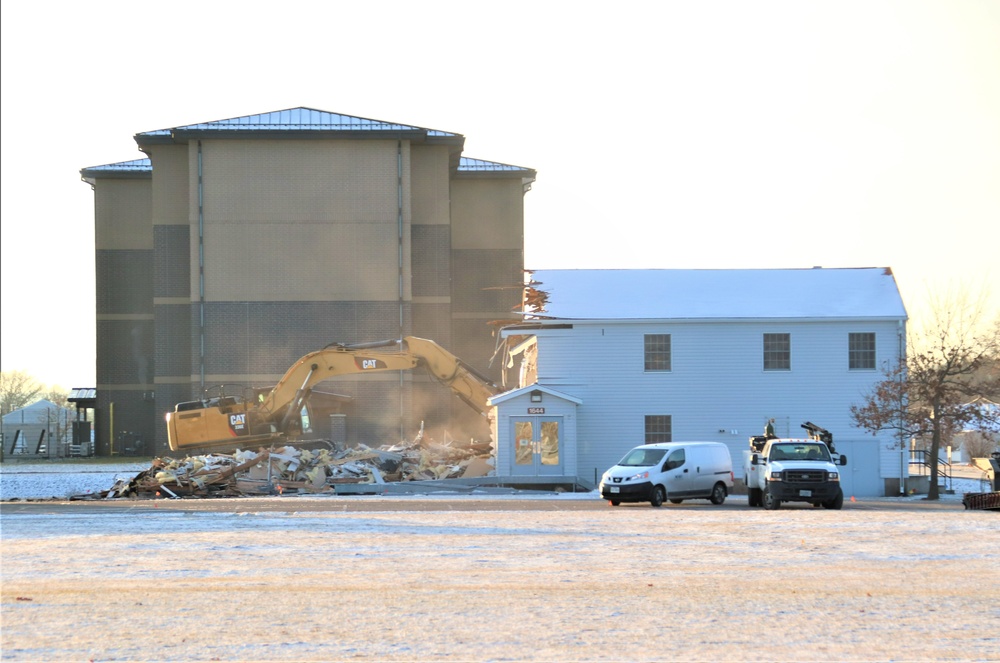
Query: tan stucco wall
point(300, 181)
point(123, 211)
point(487, 214)
point(171, 196)
point(342, 198)
point(430, 189)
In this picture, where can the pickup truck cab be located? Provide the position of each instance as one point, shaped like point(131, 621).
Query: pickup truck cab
point(793, 470)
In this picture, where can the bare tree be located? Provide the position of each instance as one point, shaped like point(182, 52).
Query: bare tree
point(979, 444)
point(59, 396)
point(17, 389)
point(938, 390)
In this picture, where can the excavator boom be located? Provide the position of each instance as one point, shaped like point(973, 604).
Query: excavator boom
point(229, 423)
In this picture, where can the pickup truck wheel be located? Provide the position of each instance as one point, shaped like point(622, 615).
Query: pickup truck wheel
point(753, 497)
point(658, 496)
point(718, 494)
point(770, 502)
point(837, 501)
point(614, 502)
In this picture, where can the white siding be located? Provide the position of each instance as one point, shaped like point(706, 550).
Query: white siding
point(716, 383)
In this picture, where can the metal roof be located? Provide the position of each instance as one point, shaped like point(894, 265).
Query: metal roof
point(676, 294)
point(466, 165)
point(134, 166)
point(297, 120)
point(308, 123)
point(82, 393)
point(479, 165)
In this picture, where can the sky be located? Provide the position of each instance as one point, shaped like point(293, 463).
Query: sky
point(678, 134)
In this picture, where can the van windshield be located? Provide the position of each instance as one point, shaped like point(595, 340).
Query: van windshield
point(642, 457)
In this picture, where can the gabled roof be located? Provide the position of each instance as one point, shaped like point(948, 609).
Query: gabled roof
point(31, 414)
point(671, 294)
point(514, 393)
point(296, 122)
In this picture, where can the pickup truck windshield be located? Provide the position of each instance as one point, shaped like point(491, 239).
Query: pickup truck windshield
point(800, 451)
point(642, 457)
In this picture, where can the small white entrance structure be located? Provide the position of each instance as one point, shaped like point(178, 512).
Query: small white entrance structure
point(535, 434)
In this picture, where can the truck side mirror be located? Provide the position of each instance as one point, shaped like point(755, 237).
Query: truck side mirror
point(843, 459)
point(754, 459)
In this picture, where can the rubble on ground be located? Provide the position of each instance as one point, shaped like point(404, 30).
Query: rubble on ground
point(294, 470)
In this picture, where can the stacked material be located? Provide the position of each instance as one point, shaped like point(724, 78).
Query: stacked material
point(986, 501)
point(293, 470)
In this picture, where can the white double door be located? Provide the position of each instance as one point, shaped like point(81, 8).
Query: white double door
point(537, 446)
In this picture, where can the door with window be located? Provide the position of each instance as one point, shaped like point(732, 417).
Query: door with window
point(537, 446)
point(680, 479)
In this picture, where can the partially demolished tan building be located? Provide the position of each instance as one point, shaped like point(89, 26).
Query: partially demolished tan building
point(236, 246)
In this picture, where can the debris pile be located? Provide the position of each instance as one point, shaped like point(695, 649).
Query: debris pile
point(297, 471)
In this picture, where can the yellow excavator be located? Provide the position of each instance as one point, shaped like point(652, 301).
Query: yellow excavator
point(274, 417)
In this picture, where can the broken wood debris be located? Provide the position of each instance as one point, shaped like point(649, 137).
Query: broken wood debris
point(291, 470)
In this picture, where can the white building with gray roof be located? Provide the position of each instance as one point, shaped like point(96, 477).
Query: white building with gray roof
point(619, 358)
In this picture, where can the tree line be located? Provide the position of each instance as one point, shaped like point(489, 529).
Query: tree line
point(19, 389)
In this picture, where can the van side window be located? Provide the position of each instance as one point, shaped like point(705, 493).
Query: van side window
point(674, 460)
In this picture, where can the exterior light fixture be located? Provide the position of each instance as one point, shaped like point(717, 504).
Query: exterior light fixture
point(536, 396)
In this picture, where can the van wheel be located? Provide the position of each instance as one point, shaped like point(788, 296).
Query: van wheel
point(837, 501)
point(674, 500)
point(718, 494)
point(753, 497)
point(614, 502)
point(658, 496)
point(770, 502)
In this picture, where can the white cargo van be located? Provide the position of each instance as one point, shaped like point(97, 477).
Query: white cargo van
point(674, 471)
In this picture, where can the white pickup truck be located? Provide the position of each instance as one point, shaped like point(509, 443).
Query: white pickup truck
point(780, 470)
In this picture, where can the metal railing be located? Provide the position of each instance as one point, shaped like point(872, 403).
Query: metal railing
point(920, 460)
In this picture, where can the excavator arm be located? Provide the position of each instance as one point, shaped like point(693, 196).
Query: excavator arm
point(275, 416)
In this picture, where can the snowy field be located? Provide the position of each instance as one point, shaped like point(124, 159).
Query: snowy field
point(149, 581)
point(61, 480)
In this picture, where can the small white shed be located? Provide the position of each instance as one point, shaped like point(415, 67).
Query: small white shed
point(535, 435)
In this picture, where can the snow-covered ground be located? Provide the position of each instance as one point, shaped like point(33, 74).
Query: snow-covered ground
point(143, 581)
point(63, 480)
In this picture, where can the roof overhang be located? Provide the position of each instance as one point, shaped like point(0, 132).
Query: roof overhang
point(514, 393)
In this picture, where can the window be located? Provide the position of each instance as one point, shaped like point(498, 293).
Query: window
point(674, 460)
point(657, 352)
point(658, 428)
point(777, 352)
point(861, 351)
